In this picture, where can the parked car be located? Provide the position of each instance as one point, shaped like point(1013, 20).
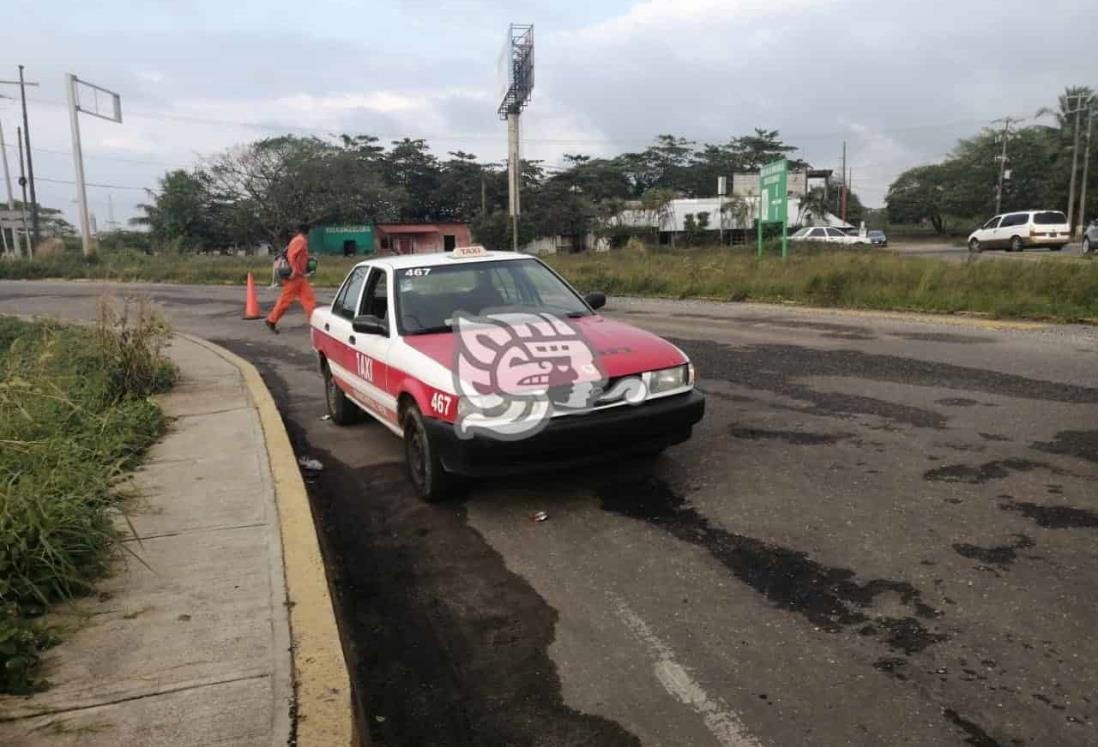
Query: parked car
point(877, 238)
point(1015, 231)
point(428, 346)
point(1090, 238)
point(827, 235)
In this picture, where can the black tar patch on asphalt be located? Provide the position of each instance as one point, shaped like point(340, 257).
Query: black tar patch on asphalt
point(830, 598)
point(1001, 555)
point(1080, 444)
point(977, 474)
point(797, 438)
point(774, 368)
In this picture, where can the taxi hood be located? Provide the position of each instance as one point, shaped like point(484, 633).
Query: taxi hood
point(619, 348)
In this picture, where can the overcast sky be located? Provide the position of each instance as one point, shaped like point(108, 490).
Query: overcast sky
point(899, 81)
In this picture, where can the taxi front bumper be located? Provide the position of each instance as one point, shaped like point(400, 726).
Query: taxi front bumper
point(572, 439)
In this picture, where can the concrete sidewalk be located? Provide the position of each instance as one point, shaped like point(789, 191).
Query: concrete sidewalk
point(191, 644)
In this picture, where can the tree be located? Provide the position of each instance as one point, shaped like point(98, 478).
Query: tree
point(919, 194)
point(410, 167)
point(755, 151)
point(656, 203)
point(271, 185)
point(182, 210)
point(814, 207)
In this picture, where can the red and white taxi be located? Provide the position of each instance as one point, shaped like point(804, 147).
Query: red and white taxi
point(392, 344)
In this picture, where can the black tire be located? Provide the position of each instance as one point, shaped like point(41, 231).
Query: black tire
point(430, 479)
point(1016, 244)
point(1088, 248)
point(341, 410)
point(974, 246)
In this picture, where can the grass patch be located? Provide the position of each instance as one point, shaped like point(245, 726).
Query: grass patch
point(75, 416)
point(196, 269)
point(1064, 290)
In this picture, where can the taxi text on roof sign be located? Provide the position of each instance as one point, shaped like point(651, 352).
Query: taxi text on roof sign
point(476, 250)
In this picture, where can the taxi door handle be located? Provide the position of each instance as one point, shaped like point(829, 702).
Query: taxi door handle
point(351, 339)
point(326, 326)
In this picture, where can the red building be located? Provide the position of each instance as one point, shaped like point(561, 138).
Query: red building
point(421, 238)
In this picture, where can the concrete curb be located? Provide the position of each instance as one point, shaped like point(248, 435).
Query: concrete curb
point(321, 681)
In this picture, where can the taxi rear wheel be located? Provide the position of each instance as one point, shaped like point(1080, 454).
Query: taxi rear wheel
point(431, 480)
point(341, 409)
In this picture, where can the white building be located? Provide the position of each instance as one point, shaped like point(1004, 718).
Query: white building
point(729, 214)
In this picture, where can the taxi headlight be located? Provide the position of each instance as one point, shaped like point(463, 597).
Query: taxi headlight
point(667, 379)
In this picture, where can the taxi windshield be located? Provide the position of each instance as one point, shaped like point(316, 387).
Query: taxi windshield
point(428, 297)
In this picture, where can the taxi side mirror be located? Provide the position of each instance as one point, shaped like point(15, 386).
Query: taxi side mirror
point(368, 324)
point(595, 300)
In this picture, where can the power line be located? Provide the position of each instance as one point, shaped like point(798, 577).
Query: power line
point(469, 137)
point(122, 159)
point(91, 184)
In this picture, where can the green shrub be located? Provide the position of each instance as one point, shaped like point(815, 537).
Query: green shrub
point(75, 417)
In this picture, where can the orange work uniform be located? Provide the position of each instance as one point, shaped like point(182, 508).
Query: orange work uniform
point(295, 287)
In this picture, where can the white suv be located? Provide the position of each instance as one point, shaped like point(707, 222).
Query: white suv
point(1015, 231)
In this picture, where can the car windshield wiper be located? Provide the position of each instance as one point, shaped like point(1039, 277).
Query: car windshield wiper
point(431, 330)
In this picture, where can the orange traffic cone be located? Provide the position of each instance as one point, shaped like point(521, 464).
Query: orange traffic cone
point(251, 302)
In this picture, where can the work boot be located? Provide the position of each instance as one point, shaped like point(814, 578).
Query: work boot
point(271, 326)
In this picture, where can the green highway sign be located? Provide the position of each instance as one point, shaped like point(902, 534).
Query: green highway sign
point(774, 199)
point(772, 183)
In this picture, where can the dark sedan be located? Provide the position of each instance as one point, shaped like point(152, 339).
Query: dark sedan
point(877, 238)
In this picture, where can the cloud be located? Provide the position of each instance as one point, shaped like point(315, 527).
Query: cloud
point(898, 81)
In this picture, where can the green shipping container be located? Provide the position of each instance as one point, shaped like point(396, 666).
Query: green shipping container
point(345, 240)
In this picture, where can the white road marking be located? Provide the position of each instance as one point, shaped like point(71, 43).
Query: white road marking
point(722, 722)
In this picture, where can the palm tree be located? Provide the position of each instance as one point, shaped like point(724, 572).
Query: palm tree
point(814, 204)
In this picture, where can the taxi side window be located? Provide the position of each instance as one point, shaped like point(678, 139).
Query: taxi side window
point(376, 299)
point(347, 300)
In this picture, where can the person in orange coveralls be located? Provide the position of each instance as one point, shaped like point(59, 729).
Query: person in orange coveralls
point(295, 287)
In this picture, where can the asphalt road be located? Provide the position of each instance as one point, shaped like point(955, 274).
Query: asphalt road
point(883, 532)
point(956, 253)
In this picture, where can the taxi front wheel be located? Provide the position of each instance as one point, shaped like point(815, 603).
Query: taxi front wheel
point(341, 409)
point(430, 478)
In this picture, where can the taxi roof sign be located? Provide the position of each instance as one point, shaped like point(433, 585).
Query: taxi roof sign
point(461, 252)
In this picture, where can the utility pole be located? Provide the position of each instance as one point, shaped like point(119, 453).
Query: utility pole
point(1002, 158)
point(1086, 170)
point(842, 196)
point(23, 186)
point(26, 136)
point(11, 196)
point(1074, 162)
